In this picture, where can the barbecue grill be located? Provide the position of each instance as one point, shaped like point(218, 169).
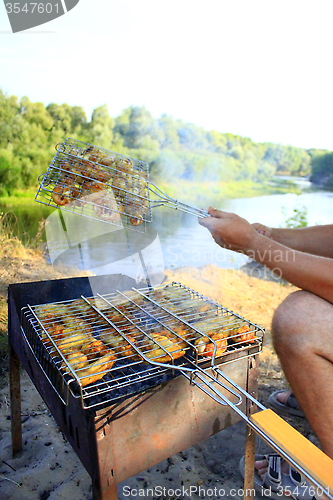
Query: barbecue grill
point(99, 184)
point(133, 337)
point(137, 413)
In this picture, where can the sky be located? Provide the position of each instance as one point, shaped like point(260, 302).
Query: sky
point(256, 68)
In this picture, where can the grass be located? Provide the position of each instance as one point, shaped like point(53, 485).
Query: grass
point(19, 197)
point(12, 248)
point(10, 244)
point(21, 262)
point(23, 215)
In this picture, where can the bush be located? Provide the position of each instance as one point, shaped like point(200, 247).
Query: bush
point(298, 219)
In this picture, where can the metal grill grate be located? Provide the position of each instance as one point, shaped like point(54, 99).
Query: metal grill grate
point(97, 183)
point(108, 346)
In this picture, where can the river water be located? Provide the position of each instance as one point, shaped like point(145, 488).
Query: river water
point(192, 244)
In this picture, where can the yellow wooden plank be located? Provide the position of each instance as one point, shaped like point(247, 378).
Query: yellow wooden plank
point(300, 449)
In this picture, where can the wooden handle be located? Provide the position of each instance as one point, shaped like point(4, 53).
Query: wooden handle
point(300, 449)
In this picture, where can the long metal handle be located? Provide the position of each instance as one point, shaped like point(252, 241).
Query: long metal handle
point(309, 457)
point(238, 388)
point(173, 203)
point(207, 386)
point(266, 424)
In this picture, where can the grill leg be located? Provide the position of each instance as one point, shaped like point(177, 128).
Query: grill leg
point(250, 442)
point(250, 445)
point(15, 401)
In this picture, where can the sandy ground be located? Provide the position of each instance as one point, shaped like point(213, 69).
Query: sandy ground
point(48, 468)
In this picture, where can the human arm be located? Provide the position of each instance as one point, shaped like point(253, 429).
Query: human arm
point(309, 272)
point(316, 240)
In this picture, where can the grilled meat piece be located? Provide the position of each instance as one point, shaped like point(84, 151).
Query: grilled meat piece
point(156, 349)
point(96, 370)
point(205, 346)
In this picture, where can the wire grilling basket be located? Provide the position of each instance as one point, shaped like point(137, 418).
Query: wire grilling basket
point(105, 347)
point(91, 181)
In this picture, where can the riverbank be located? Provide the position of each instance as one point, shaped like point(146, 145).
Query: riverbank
point(190, 192)
point(232, 189)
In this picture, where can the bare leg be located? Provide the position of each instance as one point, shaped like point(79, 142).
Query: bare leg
point(303, 339)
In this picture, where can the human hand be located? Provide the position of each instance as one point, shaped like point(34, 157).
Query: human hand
point(229, 230)
point(264, 230)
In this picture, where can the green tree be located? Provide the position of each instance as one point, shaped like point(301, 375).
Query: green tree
point(100, 130)
point(174, 149)
point(169, 137)
point(9, 109)
point(322, 170)
point(135, 124)
point(61, 117)
point(10, 172)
